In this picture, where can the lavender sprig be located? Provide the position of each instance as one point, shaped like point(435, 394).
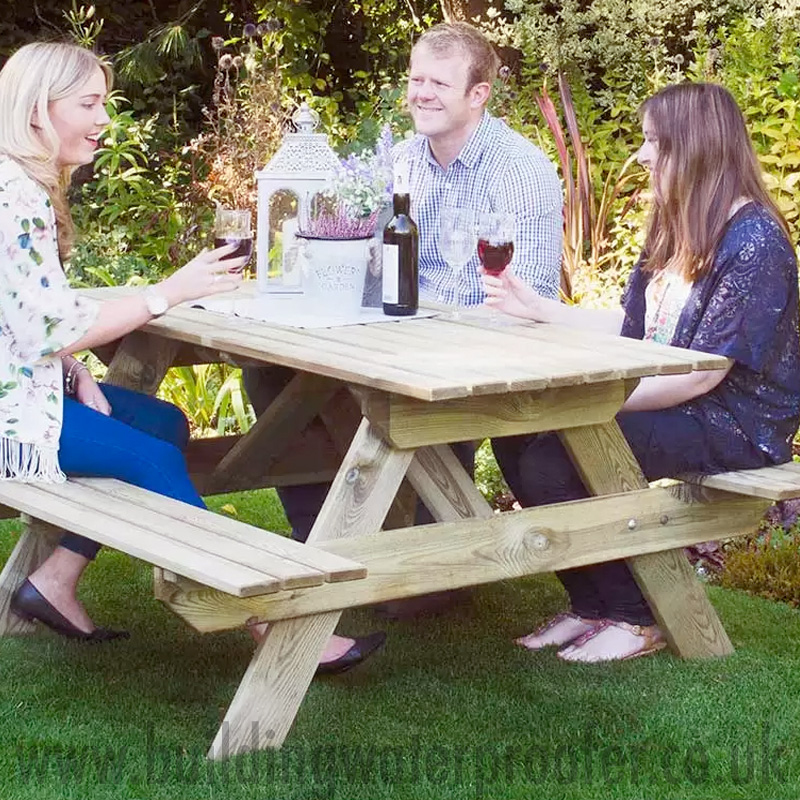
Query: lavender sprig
point(362, 185)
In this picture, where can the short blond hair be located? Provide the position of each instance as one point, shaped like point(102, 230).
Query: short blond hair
point(448, 38)
point(35, 76)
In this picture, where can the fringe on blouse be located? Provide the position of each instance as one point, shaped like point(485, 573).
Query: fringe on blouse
point(23, 461)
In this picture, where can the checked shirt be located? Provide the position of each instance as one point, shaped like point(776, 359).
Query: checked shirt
point(497, 170)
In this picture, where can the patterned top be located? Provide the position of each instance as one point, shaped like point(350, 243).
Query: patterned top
point(497, 170)
point(745, 308)
point(665, 297)
point(39, 315)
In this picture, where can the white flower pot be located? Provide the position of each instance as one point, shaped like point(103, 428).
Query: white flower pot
point(333, 273)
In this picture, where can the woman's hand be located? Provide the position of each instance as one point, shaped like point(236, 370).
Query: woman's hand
point(511, 295)
point(207, 273)
point(89, 393)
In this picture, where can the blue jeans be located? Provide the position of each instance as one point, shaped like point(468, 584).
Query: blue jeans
point(141, 443)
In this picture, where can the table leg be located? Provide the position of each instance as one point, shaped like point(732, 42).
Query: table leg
point(141, 362)
point(284, 419)
point(267, 700)
point(35, 544)
point(683, 611)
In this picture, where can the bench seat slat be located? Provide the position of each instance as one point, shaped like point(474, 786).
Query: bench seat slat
point(126, 535)
point(781, 482)
point(333, 567)
point(250, 553)
point(222, 553)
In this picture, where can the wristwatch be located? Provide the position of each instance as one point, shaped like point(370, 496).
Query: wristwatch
point(156, 303)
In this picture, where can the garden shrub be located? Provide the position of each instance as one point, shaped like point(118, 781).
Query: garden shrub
point(489, 479)
point(767, 565)
point(759, 61)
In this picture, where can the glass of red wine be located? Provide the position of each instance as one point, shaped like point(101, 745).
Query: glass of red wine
point(234, 226)
point(496, 243)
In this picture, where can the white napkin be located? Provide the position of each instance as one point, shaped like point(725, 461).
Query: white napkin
point(295, 311)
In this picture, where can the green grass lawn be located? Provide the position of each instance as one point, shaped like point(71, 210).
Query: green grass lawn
point(450, 709)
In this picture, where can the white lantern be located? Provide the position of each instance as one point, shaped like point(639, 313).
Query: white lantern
point(302, 167)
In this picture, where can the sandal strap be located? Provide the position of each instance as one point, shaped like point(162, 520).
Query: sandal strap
point(601, 625)
point(553, 621)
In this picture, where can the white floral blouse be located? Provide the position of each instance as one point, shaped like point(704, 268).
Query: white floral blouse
point(39, 315)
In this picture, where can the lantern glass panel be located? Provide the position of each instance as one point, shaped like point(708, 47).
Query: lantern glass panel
point(283, 222)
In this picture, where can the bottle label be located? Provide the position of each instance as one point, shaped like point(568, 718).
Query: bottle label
point(391, 273)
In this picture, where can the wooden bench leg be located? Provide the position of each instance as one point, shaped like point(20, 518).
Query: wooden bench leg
point(267, 700)
point(677, 599)
point(36, 543)
point(269, 695)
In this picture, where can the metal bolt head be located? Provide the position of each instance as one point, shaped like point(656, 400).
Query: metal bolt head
point(352, 476)
point(664, 519)
point(631, 524)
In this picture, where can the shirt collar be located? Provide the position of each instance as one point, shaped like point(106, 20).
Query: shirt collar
point(474, 147)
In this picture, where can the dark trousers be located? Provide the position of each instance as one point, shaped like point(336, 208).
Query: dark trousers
point(302, 503)
point(142, 443)
point(665, 443)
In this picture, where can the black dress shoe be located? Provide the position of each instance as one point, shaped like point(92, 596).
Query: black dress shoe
point(32, 606)
point(363, 647)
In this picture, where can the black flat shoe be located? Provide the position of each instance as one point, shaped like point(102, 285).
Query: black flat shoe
point(363, 647)
point(30, 604)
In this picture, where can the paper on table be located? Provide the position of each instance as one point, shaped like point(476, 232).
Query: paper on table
point(293, 310)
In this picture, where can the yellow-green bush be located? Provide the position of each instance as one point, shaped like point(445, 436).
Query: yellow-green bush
point(768, 568)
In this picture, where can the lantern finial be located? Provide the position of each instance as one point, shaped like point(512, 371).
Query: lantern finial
point(305, 120)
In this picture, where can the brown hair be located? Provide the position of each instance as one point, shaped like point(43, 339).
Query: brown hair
point(707, 162)
point(448, 38)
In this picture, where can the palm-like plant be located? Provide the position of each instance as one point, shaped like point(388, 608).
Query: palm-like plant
point(590, 206)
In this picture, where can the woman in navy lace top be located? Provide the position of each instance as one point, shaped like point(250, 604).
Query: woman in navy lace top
point(718, 275)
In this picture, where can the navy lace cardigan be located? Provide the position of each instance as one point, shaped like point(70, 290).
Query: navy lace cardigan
point(745, 308)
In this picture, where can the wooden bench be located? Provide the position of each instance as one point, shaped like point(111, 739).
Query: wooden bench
point(221, 573)
point(772, 483)
point(237, 560)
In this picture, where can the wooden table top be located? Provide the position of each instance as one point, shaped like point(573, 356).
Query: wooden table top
point(431, 358)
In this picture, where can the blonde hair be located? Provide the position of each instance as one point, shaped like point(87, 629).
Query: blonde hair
point(705, 164)
point(448, 38)
point(35, 76)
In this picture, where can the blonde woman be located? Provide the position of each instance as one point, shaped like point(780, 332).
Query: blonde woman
point(718, 274)
point(54, 418)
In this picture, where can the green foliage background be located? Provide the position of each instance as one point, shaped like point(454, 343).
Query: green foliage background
point(146, 205)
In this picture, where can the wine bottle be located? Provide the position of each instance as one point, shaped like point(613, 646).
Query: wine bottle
point(401, 253)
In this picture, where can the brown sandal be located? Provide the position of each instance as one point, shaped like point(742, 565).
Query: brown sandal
point(539, 639)
point(649, 640)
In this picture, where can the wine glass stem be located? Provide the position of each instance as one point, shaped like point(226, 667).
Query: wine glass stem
point(456, 276)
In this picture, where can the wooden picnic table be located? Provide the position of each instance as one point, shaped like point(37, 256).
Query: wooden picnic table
point(392, 396)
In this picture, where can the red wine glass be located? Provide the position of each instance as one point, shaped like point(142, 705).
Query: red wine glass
point(234, 226)
point(496, 242)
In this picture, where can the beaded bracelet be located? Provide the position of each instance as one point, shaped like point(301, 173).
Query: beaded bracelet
point(72, 373)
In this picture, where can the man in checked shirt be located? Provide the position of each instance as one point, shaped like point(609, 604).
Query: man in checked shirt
point(460, 156)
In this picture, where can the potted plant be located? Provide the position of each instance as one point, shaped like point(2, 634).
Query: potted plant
point(337, 235)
